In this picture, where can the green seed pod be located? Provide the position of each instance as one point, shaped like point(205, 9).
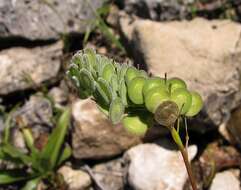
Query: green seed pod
point(182, 98)
point(116, 111)
point(108, 72)
point(167, 113)
point(196, 106)
point(103, 92)
point(135, 125)
point(123, 92)
point(175, 83)
point(134, 90)
point(143, 73)
point(131, 73)
point(86, 80)
point(155, 97)
point(154, 82)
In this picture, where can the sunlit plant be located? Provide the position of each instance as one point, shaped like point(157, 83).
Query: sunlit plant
point(132, 97)
point(38, 164)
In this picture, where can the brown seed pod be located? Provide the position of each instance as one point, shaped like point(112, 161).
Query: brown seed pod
point(166, 113)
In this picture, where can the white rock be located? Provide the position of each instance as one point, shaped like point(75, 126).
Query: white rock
point(153, 167)
point(75, 179)
point(226, 180)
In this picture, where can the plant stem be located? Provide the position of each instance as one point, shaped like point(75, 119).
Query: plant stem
point(181, 147)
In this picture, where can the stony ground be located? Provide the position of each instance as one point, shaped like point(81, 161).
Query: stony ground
point(199, 41)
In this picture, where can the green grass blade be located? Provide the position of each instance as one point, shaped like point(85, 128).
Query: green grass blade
point(14, 153)
point(32, 184)
point(51, 151)
point(65, 155)
point(11, 176)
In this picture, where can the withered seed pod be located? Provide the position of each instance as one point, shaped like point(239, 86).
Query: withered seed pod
point(166, 113)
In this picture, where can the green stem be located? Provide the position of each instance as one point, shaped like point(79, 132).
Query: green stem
point(181, 147)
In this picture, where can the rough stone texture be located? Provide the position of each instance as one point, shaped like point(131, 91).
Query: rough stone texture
point(226, 180)
point(154, 167)
point(156, 9)
point(36, 114)
point(204, 53)
point(232, 131)
point(75, 179)
point(59, 96)
point(44, 19)
point(18, 65)
point(94, 136)
point(111, 174)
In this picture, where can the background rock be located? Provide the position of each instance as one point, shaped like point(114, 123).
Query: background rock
point(204, 53)
point(41, 19)
point(36, 114)
point(75, 179)
point(156, 9)
point(226, 180)
point(154, 167)
point(94, 136)
point(18, 66)
point(111, 174)
point(233, 128)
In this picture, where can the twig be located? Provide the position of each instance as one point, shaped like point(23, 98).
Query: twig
point(92, 175)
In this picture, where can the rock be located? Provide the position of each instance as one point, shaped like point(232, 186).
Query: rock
point(154, 167)
point(110, 174)
point(75, 179)
point(36, 114)
point(44, 20)
point(22, 68)
point(232, 130)
point(59, 96)
point(94, 136)
point(214, 158)
point(156, 9)
point(204, 53)
point(226, 180)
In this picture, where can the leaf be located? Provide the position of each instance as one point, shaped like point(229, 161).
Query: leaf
point(123, 92)
point(122, 71)
point(101, 62)
point(86, 80)
point(11, 176)
point(32, 184)
point(16, 154)
point(51, 151)
point(103, 91)
point(114, 82)
point(65, 155)
point(116, 110)
point(108, 72)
